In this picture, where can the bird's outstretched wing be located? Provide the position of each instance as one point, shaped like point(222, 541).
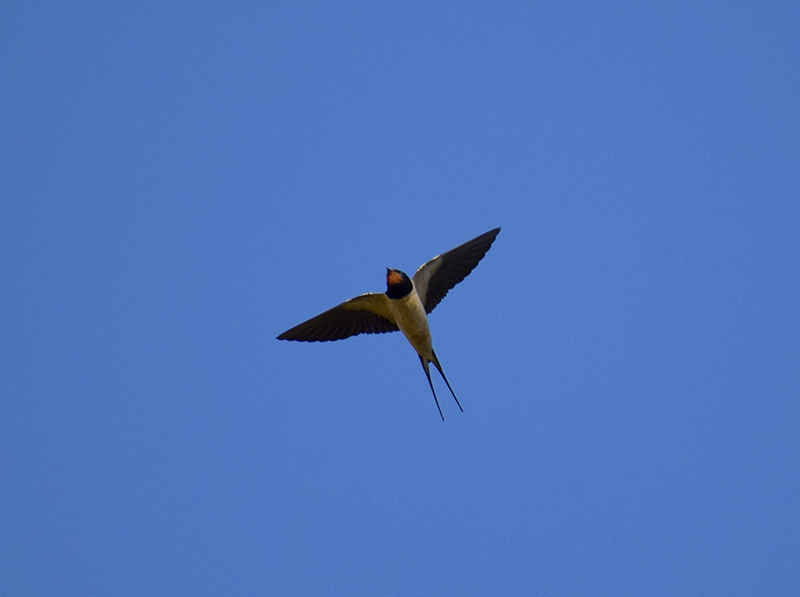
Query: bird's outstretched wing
point(435, 278)
point(365, 314)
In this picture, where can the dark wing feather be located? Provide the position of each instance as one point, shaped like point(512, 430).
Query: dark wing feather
point(435, 278)
point(364, 314)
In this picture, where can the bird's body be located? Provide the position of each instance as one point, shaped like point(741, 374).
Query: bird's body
point(404, 306)
point(409, 315)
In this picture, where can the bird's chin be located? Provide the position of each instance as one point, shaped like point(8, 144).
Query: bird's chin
point(393, 278)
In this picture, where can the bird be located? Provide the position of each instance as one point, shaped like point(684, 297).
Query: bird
point(404, 306)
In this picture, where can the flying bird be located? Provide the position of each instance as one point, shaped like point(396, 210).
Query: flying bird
point(404, 306)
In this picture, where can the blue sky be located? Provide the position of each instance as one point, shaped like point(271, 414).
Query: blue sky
point(181, 183)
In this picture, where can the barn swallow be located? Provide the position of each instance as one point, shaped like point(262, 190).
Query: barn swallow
point(404, 306)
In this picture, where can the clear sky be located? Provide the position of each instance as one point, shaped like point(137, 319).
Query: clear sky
point(182, 182)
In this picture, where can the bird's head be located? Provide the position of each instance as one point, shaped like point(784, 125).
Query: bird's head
point(398, 284)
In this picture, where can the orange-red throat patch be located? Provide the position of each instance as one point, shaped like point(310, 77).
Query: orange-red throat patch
point(393, 278)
